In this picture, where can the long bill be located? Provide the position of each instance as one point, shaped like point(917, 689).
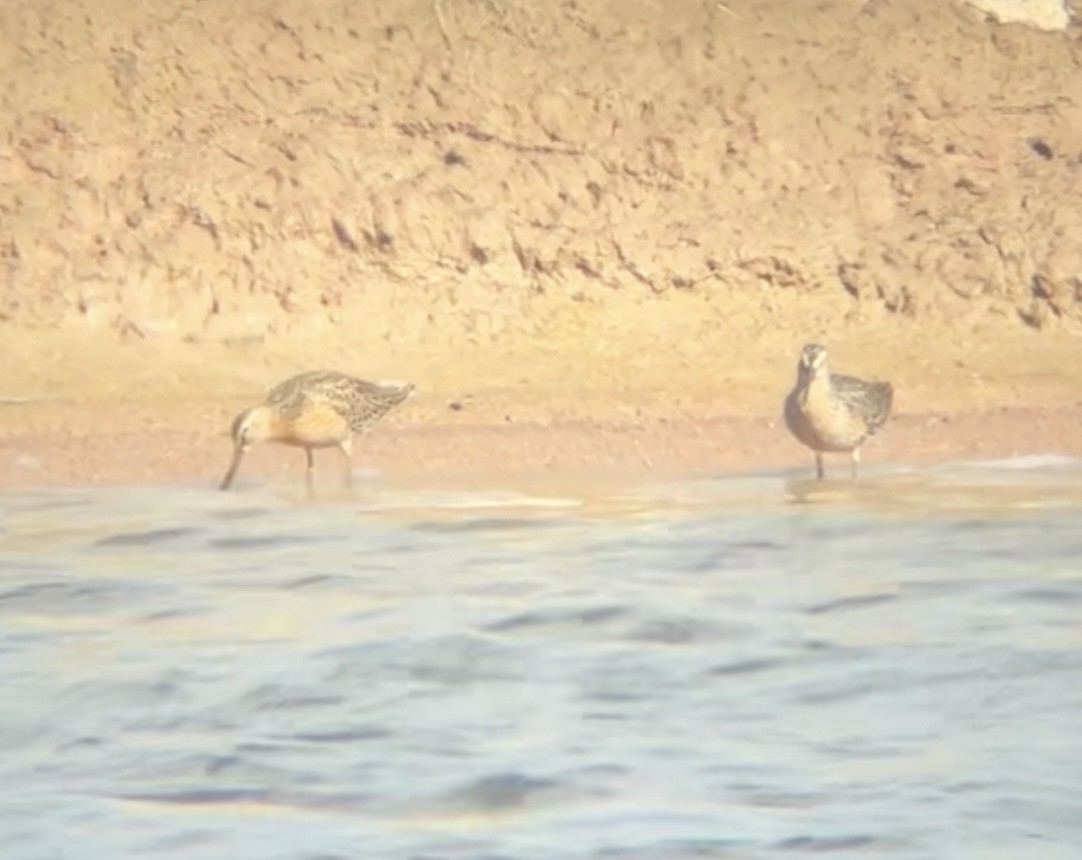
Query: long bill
point(238, 455)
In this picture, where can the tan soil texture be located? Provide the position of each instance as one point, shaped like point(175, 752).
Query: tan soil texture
point(603, 228)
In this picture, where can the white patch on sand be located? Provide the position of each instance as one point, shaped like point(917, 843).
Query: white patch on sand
point(1042, 14)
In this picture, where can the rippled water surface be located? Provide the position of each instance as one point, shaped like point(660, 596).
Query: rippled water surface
point(752, 667)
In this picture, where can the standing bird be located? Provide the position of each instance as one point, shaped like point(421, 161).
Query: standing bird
point(829, 412)
point(319, 409)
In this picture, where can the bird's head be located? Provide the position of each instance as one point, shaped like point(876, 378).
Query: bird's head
point(813, 359)
point(252, 425)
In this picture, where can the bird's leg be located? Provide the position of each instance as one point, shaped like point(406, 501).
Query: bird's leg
point(346, 447)
point(309, 475)
point(818, 465)
point(856, 461)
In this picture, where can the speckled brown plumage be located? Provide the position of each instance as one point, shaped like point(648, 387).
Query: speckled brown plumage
point(318, 409)
point(830, 412)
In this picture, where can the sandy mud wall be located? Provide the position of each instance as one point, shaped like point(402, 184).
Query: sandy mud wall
point(227, 168)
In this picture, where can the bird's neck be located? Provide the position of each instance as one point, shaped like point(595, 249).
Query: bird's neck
point(815, 385)
point(272, 426)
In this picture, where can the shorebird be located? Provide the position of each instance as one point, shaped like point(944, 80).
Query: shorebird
point(831, 413)
point(319, 409)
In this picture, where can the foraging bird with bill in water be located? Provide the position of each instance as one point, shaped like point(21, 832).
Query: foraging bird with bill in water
point(318, 409)
point(833, 413)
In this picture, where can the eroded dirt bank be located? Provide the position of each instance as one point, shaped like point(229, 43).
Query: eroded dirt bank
point(562, 217)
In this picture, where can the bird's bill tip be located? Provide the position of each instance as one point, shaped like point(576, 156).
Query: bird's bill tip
point(231, 472)
point(398, 385)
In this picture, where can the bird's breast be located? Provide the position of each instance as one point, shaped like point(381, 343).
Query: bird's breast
point(316, 426)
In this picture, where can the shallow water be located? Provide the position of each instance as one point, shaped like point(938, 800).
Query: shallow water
point(750, 667)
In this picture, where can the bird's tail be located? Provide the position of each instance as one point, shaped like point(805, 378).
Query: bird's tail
point(392, 393)
point(882, 403)
point(398, 391)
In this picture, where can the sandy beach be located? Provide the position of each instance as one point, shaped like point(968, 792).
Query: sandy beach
point(594, 236)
